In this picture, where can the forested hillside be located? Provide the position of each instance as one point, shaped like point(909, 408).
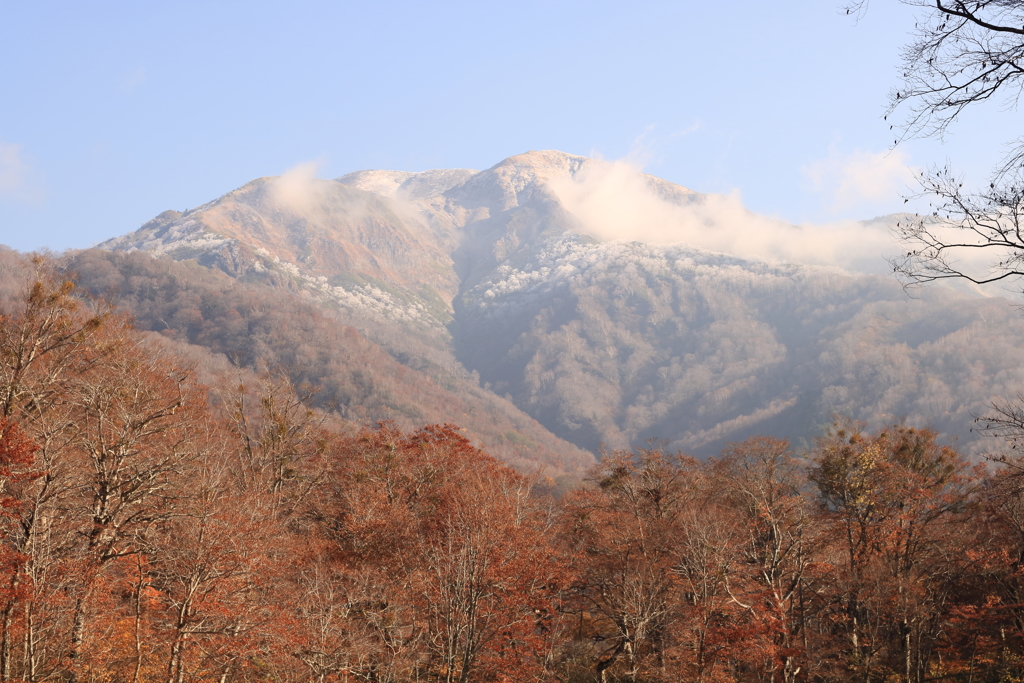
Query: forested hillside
point(267, 328)
point(613, 343)
point(154, 528)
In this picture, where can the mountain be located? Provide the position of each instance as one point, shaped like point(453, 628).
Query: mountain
point(526, 291)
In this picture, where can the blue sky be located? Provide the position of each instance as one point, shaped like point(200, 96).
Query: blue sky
point(113, 112)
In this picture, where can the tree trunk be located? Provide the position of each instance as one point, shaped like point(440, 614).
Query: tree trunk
point(907, 664)
point(138, 624)
point(5, 638)
point(174, 662)
point(30, 645)
point(77, 636)
point(604, 664)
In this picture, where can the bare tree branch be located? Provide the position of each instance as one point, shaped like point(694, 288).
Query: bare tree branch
point(946, 244)
point(963, 53)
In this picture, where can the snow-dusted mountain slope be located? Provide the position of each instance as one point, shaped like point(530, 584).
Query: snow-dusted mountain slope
point(610, 305)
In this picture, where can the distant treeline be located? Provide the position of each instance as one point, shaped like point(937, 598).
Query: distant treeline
point(154, 529)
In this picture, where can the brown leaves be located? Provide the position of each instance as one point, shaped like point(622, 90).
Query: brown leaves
point(144, 536)
point(463, 547)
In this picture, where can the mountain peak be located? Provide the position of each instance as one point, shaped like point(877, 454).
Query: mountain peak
point(405, 184)
point(499, 185)
point(546, 162)
point(513, 181)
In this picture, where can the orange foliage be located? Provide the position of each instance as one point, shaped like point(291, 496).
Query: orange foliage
point(147, 533)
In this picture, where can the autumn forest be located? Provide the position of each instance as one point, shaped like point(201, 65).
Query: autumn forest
point(158, 529)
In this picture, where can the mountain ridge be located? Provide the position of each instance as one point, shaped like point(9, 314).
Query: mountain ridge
point(498, 274)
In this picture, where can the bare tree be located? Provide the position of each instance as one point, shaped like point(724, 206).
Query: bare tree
point(962, 54)
point(973, 237)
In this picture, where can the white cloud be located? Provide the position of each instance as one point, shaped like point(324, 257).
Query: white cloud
point(300, 191)
point(614, 200)
point(297, 187)
point(850, 180)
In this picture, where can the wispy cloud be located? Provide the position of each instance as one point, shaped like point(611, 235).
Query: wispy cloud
point(692, 128)
point(642, 151)
point(848, 180)
point(16, 176)
point(614, 200)
point(11, 168)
